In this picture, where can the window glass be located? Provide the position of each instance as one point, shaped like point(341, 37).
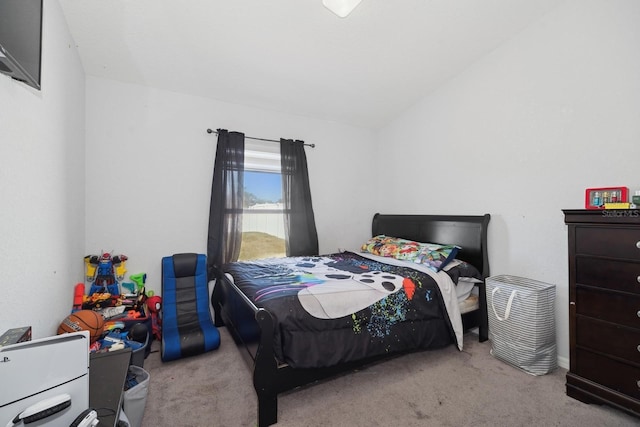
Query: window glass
point(263, 220)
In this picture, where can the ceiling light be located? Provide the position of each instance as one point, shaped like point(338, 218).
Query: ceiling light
point(342, 8)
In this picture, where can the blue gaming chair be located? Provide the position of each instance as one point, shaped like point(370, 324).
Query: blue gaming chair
point(187, 328)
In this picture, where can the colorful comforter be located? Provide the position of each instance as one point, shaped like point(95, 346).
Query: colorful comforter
point(343, 307)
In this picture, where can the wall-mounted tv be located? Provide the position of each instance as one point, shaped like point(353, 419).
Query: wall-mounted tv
point(21, 40)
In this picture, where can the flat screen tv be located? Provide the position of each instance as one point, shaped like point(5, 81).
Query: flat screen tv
point(21, 40)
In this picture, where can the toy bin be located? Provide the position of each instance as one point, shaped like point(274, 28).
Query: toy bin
point(138, 354)
point(143, 317)
point(522, 325)
point(135, 395)
point(118, 340)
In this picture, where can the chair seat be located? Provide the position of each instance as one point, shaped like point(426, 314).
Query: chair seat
point(187, 328)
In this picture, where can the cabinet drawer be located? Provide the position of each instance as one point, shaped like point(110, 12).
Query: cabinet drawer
point(618, 275)
point(612, 242)
point(608, 372)
point(608, 338)
point(613, 307)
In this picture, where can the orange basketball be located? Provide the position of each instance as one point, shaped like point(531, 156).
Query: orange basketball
point(83, 320)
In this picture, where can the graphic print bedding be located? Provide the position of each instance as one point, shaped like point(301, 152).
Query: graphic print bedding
point(346, 306)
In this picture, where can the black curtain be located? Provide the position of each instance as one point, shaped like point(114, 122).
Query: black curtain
point(299, 221)
point(225, 211)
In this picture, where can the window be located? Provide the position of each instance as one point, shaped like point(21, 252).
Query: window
point(262, 218)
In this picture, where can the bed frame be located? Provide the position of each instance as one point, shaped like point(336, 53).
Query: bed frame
point(252, 327)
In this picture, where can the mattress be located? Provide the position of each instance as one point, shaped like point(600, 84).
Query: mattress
point(471, 303)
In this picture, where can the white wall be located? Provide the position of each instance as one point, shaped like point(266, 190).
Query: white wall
point(42, 186)
point(522, 133)
point(150, 164)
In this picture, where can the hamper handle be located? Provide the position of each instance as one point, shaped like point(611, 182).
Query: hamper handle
point(508, 309)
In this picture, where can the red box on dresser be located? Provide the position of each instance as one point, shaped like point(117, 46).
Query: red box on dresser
point(596, 198)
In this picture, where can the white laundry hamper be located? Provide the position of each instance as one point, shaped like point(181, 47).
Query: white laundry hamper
point(522, 327)
point(135, 397)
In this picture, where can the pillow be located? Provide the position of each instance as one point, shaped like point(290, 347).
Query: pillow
point(460, 270)
point(432, 255)
point(392, 247)
point(436, 256)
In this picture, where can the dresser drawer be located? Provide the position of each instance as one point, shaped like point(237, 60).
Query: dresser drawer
point(608, 372)
point(614, 307)
point(618, 275)
point(608, 338)
point(612, 242)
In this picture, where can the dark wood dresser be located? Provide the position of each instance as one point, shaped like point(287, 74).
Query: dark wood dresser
point(604, 307)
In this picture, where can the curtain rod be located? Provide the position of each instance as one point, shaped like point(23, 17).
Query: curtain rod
point(263, 139)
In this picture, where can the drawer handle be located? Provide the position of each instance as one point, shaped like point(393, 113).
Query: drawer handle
point(638, 244)
point(638, 279)
point(638, 348)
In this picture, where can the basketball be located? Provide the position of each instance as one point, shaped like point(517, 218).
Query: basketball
point(83, 320)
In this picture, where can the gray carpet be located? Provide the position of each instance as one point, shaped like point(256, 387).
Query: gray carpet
point(433, 388)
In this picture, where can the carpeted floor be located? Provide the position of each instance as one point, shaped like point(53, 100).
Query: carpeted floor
point(433, 388)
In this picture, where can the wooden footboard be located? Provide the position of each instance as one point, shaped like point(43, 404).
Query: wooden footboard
point(265, 372)
point(235, 311)
point(252, 329)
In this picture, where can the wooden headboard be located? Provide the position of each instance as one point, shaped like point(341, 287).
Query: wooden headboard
point(467, 231)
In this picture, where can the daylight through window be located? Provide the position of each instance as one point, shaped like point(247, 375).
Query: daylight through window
point(262, 219)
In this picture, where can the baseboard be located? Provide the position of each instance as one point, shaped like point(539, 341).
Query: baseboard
point(563, 362)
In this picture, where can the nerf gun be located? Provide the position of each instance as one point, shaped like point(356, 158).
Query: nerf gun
point(78, 294)
point(139, 279)
point(130, 287)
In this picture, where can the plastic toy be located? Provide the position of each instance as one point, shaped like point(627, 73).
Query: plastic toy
point(105, 272)
point(78, 293)
point(140, 280)
point(133, 314)
point(113, 326)
point(97, 300)
point(130, 287)
point(154, 304)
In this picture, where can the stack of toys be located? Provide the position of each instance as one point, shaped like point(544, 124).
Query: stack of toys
point(121, 304)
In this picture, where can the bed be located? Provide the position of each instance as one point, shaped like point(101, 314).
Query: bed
point(410, 305)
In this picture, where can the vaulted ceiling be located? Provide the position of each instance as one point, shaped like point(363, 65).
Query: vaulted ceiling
point(295, 56)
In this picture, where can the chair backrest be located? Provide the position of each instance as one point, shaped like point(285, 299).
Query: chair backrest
point(187, 328)
point(185, 285)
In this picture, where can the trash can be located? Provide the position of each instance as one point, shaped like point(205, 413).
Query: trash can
point(522, 327)
point(135, 395)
